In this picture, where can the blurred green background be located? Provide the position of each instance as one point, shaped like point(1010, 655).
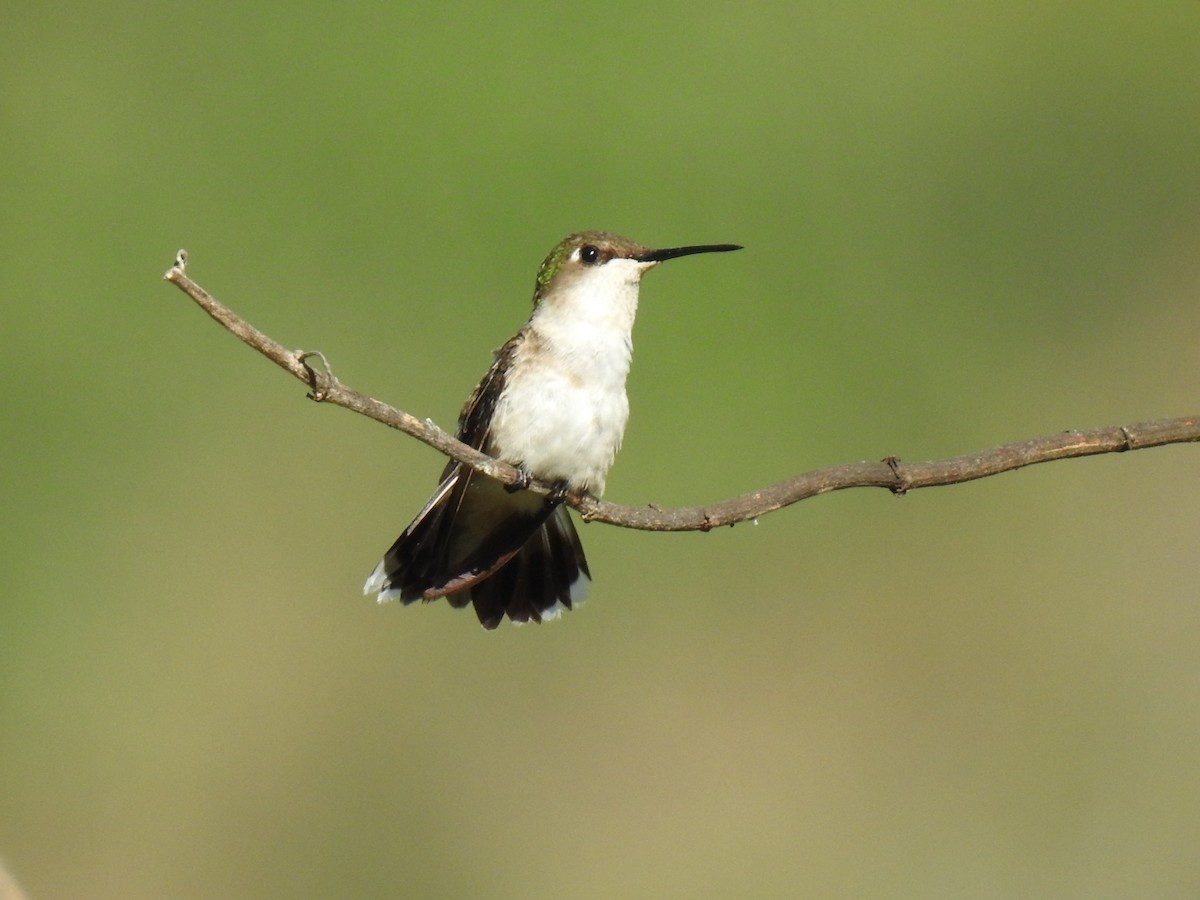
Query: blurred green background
point(964, 225)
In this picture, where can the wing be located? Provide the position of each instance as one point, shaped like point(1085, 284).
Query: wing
point(474, 422)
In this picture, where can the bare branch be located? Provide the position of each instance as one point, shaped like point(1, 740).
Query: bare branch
point(890, 473)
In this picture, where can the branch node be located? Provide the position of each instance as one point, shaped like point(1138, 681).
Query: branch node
point(707, 525)
point(1128, 440)
point(584, 504)
point(179, 268)
point(320, 383)
point(903, 483)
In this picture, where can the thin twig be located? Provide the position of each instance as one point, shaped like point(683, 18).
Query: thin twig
point(889, 473)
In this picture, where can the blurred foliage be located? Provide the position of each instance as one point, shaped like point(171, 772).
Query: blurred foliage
point(964, 225)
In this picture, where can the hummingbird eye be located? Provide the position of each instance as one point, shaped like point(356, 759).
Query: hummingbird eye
point(589, 254)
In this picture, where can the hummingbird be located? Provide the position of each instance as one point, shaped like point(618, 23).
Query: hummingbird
point(553, 405)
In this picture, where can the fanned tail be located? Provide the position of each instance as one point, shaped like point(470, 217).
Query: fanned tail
point(474, 542)
point(547, 575)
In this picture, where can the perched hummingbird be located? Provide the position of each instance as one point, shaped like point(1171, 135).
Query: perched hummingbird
point(553, 404)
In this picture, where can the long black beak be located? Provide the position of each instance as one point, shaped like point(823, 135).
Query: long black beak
point(660, 255)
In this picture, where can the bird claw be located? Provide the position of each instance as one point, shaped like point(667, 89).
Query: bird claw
point(522, 482)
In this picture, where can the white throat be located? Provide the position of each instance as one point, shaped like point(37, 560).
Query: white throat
point(598, 305)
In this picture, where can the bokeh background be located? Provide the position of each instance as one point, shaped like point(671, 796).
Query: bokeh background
point(964, 225)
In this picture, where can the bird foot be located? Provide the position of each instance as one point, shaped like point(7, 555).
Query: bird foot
point(522, 482)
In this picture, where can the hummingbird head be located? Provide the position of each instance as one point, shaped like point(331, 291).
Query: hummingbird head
point(605, 263)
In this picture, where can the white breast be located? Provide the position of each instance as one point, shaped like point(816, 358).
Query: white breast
point(563, 411)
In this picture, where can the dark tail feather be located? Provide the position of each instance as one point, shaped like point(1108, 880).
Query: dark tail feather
point(547, 575)
point(474, 542)
point(466, 531)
